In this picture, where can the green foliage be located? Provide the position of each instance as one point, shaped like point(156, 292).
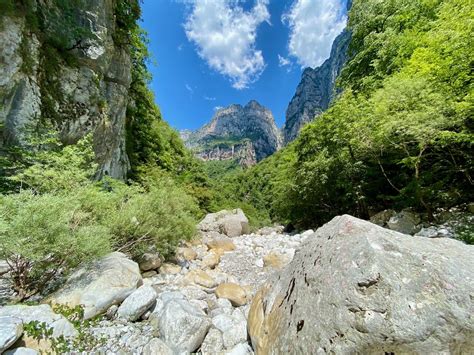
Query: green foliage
point(43, 235)
point(49, 166)
point(84, 342)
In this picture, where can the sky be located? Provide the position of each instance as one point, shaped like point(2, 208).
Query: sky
point(208, 54)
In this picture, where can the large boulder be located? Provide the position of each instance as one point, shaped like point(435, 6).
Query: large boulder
point(355, 287)
point(10, 330)
point(137, 303)
point(182, 326)
point(231, 223)
point(99, 285)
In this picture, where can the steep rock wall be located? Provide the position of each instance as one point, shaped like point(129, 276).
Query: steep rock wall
point(63, 67)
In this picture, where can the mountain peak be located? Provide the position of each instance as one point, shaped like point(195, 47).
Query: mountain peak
point(250, 129)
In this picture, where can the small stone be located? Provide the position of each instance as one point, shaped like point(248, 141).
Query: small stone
point(111, 312)
point(148, 274)
point(211, 260)
point(10, 330)
point(186, 254)
point(170, 269)
point(137, 303)
point(233, 292)
point(150, 261)
point(218, 242)
point(199, 277)
point(156, 346)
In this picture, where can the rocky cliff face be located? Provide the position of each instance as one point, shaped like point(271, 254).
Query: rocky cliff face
point(62, 67)
point(316, 89)
point(247, 134)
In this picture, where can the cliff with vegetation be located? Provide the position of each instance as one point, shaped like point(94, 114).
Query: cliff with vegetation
point(73, 69)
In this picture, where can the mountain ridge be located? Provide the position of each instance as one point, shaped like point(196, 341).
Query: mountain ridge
point(246, 133)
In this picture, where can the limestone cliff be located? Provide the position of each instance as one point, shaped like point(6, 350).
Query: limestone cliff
point(65, 66)
point(245, 133)
point(316, 89)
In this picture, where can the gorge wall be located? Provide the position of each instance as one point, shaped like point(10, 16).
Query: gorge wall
point(247, 134)
point(316, 89)
point(66, 67)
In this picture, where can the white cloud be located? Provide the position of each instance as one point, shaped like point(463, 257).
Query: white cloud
point(189, 88)
point(314, 24)
point(207, 98)
point(282, 61)
point(225, 37)
point(216, 108)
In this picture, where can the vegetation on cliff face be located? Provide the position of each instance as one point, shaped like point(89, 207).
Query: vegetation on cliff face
point(401, 133)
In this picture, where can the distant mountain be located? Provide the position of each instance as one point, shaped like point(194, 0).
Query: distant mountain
point(247, 134)
point(316, 89)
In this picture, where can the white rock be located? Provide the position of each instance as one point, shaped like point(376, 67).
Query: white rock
point(156, 346)
point(10, 330)
point(182, 326)
point(223, 322)
point(137, 303)
point(43, 314)
point(99, 285)
point(240, 349)
point(213, 343)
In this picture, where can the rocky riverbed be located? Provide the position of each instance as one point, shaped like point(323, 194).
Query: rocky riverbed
point(351, 286)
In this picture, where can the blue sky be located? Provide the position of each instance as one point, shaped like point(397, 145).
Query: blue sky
point(213, 53)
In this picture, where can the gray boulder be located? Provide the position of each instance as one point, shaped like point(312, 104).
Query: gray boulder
point(182, 326)
point(357, 288)
point(43, 314)
point(137, 303)
point(100, 285)
point(406, 222)
point(11, 330)
point(231, 223)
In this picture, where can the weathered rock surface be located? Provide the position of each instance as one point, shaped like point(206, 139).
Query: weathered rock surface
point(231, 223)
point(89, 96)
point(43, 314)
point(183, 326)
point(99, 285)
point(137, 303)
point(156, 346)
point(316, 89)
point(358, 288)
point(10, 330)
point(247, 134)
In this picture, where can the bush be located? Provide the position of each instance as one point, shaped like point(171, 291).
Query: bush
point(154, 216)
point(42, 236)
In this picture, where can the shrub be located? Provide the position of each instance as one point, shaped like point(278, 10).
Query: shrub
point(42, 236)
point(154, 216)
